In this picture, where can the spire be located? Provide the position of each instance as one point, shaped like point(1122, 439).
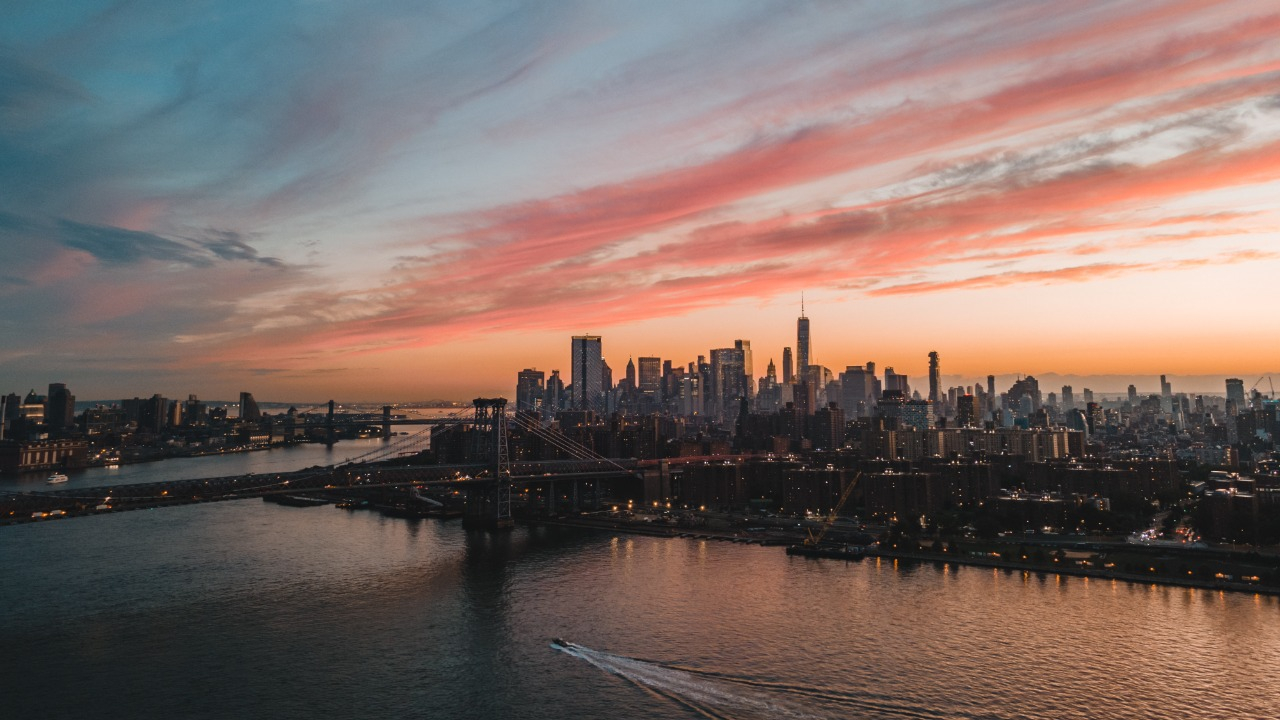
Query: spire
point(801, 303)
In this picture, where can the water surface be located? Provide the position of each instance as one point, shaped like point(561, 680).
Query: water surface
point(251, 609)
point(277, 459)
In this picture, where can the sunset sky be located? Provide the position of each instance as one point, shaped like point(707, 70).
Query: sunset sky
point(405, 200)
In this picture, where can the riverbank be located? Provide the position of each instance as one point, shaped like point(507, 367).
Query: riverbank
point(156, 454)
point(775, 538)
point(1159, 572)
point(1077, 571)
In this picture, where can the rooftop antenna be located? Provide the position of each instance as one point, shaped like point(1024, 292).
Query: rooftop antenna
point(801, 303)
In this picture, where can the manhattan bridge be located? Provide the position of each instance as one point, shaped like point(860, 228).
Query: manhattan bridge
point(485, 488)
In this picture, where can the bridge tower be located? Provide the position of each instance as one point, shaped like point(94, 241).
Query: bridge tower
point(489, 505)
point(329, 436)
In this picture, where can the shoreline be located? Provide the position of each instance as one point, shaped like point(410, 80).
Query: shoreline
point(1101, 574)
point(922, 557)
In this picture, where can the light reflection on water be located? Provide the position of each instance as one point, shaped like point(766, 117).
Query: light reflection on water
point(249, 608)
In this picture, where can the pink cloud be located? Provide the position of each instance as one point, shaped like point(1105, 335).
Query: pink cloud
point(552, 263)
point(1081, 273)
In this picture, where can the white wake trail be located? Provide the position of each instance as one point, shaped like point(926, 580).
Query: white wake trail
point(724, 696)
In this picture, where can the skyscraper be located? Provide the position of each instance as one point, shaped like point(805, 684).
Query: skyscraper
point(728, 381)
point(967, 411)
point(194, 412)
point(650, 384)
point(706, 393)
point(802, 343)
point(1068, 398)
point(248, 408)
point(553, 395)
point(857, 386)
point(650, 378)
point(745, 347)
point(153, 412)
point(893, 382)
point(935, 379)
point(788, 375)
point(1026, 388)
point(1096, 417)
point(1235, 395)
point(670, 385)
point(803, 396)
point(587, 374)
point(691, 392)
point(59, 408)
point(529, 389)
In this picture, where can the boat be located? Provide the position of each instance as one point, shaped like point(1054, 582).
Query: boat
point(846, 552)
point(57, 478)
point(295, 500)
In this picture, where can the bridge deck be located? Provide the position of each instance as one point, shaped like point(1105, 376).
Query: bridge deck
point(24, 507)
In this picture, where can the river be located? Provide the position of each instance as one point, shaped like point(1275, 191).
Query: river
point(250, 609)
point(278, 459)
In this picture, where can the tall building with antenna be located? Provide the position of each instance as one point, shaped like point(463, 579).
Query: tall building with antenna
point(802, 342)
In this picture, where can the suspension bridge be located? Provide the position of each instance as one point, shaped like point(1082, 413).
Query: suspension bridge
point(486, 482)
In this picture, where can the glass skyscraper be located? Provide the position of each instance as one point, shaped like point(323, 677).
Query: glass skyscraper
point(588, 373)
point(802, 346)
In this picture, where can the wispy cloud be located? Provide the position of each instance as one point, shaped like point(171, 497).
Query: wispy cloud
point(261, 183)
point(1079, 273)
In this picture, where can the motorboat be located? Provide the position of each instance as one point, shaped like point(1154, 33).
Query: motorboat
point(57, 478)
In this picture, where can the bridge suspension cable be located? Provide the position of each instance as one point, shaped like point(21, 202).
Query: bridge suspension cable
point(396, 447)
point(558, 440)
point(562, 442)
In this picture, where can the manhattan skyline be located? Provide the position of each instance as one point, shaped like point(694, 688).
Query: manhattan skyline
point(408, 201)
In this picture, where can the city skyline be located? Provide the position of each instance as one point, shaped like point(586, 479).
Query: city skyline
point(925, 375)
point(920, 376)
point(417, 202)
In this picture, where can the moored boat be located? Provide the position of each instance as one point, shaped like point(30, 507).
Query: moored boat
point(846, 552)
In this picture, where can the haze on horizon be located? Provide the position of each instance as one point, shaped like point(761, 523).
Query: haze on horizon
point(415, 200)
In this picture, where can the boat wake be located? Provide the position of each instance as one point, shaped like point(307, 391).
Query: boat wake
point(726, 697)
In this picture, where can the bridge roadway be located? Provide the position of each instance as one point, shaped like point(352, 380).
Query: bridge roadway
point(319, 421)
point(25, 507)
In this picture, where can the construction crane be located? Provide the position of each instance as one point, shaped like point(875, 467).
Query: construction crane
point(1259, 382)
point(815, 538)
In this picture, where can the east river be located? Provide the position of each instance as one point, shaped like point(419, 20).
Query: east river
point(250, 609)
point(281, 459)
